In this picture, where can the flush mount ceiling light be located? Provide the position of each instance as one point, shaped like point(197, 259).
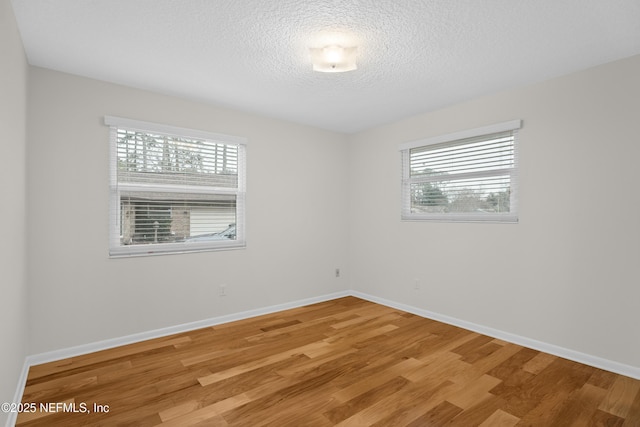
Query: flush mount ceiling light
point(333, 59)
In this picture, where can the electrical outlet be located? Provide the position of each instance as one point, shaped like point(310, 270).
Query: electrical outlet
point(222, 290)
point(337, 272)
point(416, 284)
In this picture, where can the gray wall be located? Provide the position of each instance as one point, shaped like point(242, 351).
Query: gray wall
point(13, 281)
point(296, 218)
point(568, 274)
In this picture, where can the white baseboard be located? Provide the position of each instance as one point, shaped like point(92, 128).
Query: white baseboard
point(17, 397)
point(576, 356)
point(65, 353)
point(50, 356)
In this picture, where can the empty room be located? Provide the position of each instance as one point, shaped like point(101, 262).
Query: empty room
point(319, 213)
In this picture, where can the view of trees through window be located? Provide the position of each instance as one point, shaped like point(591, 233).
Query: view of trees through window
point(468, 176)
point(175, 189)
point(141, 152)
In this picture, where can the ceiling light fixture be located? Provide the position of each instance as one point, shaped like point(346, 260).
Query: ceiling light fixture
point(333, 59)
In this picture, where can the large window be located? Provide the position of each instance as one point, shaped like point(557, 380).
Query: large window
point(465, 176)
point(174, 190)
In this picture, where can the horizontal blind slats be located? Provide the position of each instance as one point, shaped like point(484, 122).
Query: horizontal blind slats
point(425, 162)
point(145, 157)
point(471, 177)
point(461, 157)
point(174, 193)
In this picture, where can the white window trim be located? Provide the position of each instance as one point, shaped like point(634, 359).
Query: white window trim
point(118, 251)
point(507, 217)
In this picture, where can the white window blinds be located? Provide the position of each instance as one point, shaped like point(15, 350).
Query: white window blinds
point(174, 189)
point(466, 176)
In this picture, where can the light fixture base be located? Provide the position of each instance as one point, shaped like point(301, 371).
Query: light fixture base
point(334, 59)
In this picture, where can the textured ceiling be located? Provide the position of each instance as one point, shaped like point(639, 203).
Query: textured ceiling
point(413, 56)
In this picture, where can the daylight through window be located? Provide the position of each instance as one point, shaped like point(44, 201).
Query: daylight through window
point(466, 176)
point(174, 189)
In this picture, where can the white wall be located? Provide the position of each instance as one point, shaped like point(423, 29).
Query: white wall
point(296, 218)
point(13, 281)
point(569, 273)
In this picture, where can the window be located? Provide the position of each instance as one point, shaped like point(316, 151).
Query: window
point(174, 190)
point(465, 176)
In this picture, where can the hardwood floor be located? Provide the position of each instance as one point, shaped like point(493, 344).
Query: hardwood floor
point(345, 362)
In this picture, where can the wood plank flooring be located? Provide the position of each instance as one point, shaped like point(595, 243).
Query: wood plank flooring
point(345, 362)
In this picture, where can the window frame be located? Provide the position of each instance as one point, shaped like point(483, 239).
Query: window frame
point(116, 249)
point(451, 140)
